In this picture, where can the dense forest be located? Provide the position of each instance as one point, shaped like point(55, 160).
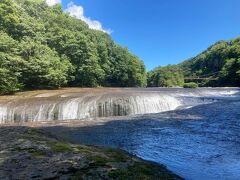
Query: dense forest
point(168, 76)
point(220, 61)
point(44, 47)
point(219, 66)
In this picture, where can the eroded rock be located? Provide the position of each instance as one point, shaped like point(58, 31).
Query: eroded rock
point(28, 153)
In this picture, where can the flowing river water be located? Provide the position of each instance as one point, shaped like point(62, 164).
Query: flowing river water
point(194, 132)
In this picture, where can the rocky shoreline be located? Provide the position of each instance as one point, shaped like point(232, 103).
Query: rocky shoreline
point(30, 153)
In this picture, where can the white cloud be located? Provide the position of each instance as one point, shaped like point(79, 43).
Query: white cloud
point(53, 2)
point(78, 12)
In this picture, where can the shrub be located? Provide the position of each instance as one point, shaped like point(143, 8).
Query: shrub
point(190, 85)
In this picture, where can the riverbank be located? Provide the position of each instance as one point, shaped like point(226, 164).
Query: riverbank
point(30, 153)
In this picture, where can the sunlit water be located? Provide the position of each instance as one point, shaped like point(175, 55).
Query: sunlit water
point(196, 134)
point(126, 102)
point(200, 142)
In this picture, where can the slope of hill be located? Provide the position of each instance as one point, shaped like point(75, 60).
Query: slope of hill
point(43, 46)
point(220, 61)
point(219, 65)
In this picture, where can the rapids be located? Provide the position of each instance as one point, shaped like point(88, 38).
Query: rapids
point(194, 132)
point(198, 140)
point(105, 103)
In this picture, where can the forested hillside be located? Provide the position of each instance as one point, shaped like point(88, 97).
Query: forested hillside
point(168, 76)
point(219, 66)
point(220, 61)
point(43, 46)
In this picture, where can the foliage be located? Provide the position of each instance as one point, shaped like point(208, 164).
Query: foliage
point(230, 73)
point(220, 61)
point(8, 82)
point(43, 46)
point(42, 66)
point(9, 61)
point(169, 76)
point(190, 85)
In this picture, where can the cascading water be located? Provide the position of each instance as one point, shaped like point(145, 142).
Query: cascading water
point(194, 142)
point(85, 106)
point(124, 102)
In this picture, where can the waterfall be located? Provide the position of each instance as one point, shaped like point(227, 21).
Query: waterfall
point(85, 106)
point(70, 105)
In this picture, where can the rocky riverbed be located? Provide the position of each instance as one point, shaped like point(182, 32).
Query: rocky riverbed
point(31, 153)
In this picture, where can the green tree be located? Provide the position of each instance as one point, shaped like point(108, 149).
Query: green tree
point(9, 64)
point(169, 76)
point(219, 61)
point(230, 73)
point(43, 46)
point(43, 67)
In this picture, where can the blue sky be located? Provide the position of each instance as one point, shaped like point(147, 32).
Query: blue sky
point(162, 32)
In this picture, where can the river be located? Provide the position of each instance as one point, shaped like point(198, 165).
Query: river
point(194, 132)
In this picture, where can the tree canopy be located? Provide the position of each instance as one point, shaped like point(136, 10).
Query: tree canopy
point(219, 65)
point(168, 76)
point(222, 61)
point(42, 46)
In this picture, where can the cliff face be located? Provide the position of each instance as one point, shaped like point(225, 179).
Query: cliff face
point(28, 153)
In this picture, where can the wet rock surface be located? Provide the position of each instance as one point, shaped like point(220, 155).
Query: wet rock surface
point(30, 153)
